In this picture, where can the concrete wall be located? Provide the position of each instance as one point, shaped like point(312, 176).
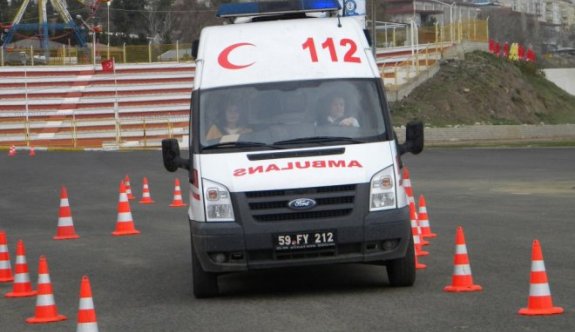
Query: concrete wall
point(398, 93)
point(563, 78)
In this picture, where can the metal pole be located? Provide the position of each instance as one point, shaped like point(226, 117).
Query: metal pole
point(93, 46)
point(74, 129)
point(373, 29)
point(145, 136)
point(412, 35)
point(474, 30)
point(460, 24)
point(442, 35)
point(386, 42)
point(27, 125)
point(487, 28)
point(116, 110)
point(451, 26)
point(109, 3)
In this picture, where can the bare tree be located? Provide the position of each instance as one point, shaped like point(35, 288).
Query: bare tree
point(192, 17)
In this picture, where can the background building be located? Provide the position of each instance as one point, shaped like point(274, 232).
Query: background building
point(429, 12)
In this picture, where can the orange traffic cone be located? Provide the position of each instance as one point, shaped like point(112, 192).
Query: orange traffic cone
point(540, 301)
point(22, 287)
point(12, 151)
point(407, 185)
point(177, 201)
point(419, 265)
point(46, 310)
point(124, 224)
point(146, 198)
point(5, 267)
point(416, 238)
point(424, 219)
point(86, 312)
point(32, 152)
point(462, 280)
point(65, 229)
point(415, 231)
point(422, 240)
point(128, 188)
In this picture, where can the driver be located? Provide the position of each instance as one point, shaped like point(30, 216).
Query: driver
point(228, 123)
point(336, 114)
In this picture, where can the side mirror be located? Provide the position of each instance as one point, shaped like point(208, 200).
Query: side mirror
point(195, 47)
point(413, 138)
point(171, 155)
point(367, 34)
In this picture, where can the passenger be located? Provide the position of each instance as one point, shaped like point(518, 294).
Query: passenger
point(228, 123)
point(337, 116)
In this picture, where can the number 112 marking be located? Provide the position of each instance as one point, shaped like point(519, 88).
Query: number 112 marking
point(329, 44)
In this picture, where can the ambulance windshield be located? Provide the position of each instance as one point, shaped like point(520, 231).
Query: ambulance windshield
point(291, 114)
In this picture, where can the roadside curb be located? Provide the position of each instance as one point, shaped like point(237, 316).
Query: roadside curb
point(475, 135)
point(495, 134)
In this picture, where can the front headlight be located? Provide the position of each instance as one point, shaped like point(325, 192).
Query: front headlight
point(382, 190)
point(218, 202)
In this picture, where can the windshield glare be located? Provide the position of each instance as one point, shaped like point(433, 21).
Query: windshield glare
point(291, 113)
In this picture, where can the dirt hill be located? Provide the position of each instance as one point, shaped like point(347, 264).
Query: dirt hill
point(484, 89)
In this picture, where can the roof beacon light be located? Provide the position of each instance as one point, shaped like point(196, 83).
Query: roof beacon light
point(266, 8)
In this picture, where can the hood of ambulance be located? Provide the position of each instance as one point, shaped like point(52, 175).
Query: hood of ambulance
point(357, 164)
point(284, 50)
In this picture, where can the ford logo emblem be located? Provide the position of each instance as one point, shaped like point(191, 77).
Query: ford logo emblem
point(302, 204)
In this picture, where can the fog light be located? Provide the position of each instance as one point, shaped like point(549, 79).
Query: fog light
point(219, 257)
point(389, 244)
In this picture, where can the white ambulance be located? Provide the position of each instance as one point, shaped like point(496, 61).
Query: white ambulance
point(292, 156)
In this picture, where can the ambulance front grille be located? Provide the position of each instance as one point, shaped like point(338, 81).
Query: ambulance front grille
point(272, 205)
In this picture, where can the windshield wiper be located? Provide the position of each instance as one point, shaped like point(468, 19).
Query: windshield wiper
point(240, 145)
point(318, 139)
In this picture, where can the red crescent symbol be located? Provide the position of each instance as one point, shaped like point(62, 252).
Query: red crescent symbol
point(225, 62)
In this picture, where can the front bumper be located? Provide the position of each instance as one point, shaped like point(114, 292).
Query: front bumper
point(228, 247)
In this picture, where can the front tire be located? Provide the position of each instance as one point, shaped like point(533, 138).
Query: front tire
point(205, 284)
point(401, 272)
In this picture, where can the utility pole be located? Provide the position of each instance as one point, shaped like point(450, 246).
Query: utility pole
point(108, 30)
point(373, 29)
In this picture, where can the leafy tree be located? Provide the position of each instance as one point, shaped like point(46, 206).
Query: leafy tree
point(129, 18)
point(5, 12)
point(193, 16)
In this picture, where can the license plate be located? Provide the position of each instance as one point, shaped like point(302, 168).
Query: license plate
point(305, 240)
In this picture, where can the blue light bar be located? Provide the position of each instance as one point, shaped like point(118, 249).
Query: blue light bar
point(266, 8)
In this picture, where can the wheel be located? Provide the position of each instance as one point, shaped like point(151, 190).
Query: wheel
point(401, 272)
point(205, 284)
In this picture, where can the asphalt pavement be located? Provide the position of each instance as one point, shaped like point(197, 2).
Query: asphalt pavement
point(503, 198)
